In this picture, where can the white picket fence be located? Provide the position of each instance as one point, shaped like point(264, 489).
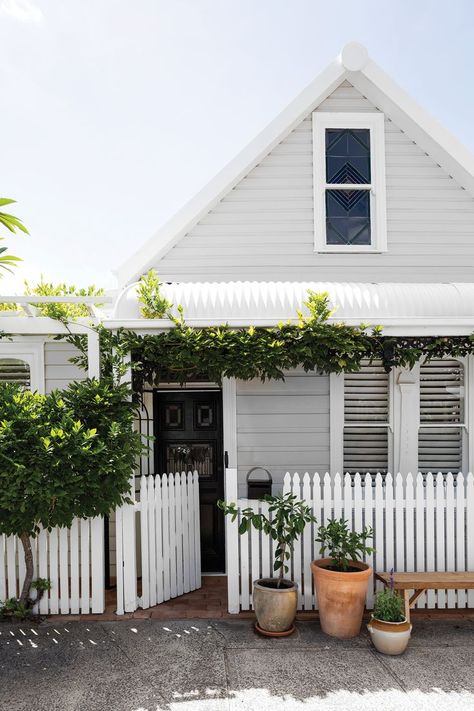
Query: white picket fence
point(73, 561)
point(163, 529)
point(422, 523)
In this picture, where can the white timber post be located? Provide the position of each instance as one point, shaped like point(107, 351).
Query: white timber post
point(127, 561)
point(336, 423)
point(97, 524)
point(469, 396)
point(407, 421)
point(232, 546)
point(93, 355)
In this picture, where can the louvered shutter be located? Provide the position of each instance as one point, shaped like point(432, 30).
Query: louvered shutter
point(440, 437)
point(14, 370)
point(366, 405)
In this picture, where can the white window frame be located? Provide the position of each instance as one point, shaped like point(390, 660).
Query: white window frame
point(33, 355)
point(378, 216)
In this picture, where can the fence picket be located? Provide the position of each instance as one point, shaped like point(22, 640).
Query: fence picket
point(358, 504)
point(97, 565)
point(179, 536)
point(307, 590)
point(63, 571)
point(13, 588)
point(430, 535)
point(379, 540)
point(451, 596)
point(369, 521)
point(245, 595)
point(255, 545)
point(440, 540)
point(389, 511)
point(409, 525)
point(399, 535)
point(153, 563)
point(145, 598)
point(470, 531)
point(160, 592)
point(267, 564)
point(186, 539)
point(192, 550)
point(172, 523)
point(197, 528)
point(347, 497)
point(3, 565)
point(85, 595)
point(420, 560)
point(54, 572)
point(460, 534)
point(166, 540)
point(297, 552)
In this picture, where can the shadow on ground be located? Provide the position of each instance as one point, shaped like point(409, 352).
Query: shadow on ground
point(212, 665)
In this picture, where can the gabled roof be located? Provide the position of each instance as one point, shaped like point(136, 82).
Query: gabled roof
point(353, 65)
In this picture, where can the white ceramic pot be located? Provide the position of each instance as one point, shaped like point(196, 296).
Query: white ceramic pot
point(389, 637)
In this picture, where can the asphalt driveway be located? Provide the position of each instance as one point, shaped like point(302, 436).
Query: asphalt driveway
point(206, 665)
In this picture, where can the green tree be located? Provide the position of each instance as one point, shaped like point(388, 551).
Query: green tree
point(64, 455)
point(13, 224)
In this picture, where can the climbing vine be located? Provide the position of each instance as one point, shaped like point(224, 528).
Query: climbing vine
point(185, 353)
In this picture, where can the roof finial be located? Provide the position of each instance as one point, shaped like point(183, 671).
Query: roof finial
point(354, 56)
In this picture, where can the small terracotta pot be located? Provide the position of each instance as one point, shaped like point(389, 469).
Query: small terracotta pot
point(389, 637)
point(275, 608)
point(341, 597)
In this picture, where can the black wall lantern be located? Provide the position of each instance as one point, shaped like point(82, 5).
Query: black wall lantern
point(259, 483)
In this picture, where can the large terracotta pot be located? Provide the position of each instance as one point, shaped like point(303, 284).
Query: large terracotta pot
point(275, 608)
point(389, 637)
point(341, 597)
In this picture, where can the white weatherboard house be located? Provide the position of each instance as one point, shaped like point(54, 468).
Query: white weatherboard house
point(353, 189)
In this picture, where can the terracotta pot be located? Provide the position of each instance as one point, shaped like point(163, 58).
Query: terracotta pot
point(274, 607)
point(341, 597)
point(389, 637)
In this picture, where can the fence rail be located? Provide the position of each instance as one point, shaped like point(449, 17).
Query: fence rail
point(422, 523)
point(165, 524)
point(73, 561)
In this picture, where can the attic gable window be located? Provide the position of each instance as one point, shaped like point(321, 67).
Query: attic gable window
point(349, 182)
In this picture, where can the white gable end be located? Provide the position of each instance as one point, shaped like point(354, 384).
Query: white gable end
point(264, 228)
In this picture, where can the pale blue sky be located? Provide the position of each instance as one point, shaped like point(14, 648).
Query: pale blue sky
point(114, 113)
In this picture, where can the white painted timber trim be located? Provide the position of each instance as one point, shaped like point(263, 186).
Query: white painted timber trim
point(407, 420)
point(336, 422)
point(93, 355)
point(422, 128)
point(31, 353)
point(229, 410)
point(374, 122)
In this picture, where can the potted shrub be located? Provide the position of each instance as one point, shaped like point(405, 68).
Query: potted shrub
point(341, 579)
point(275, 599)
point(389, 629)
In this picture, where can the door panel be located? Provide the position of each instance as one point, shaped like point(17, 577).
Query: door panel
point(188, 432)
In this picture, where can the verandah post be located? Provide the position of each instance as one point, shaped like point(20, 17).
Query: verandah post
point(232, 545)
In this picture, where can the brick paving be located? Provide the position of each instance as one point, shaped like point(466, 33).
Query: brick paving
point(210, 602)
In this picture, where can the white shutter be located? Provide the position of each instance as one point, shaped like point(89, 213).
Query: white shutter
point(366, 405)
point(440, 438)
point(14, 370)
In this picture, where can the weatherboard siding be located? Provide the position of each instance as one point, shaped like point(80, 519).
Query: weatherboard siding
point(263, 229)
point(59, 372)
point(283, 426)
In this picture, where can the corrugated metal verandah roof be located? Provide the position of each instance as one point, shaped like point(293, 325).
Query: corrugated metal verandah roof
point(401, 308)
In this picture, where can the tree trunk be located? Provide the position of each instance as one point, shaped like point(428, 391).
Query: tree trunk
point(25, 591)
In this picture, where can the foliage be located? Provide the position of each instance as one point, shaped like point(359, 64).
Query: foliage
point(342, 544)
point(61, 312)
point(288, 518)
point(13, 224)
point(389, 605)
point(184, 353)
point(64, 455)
point(9, 307)
point(152, 303)
point(22, 610)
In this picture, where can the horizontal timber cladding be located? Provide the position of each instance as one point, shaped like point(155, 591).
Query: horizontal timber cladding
point(282, 425)
point(263, 229)
point(59, 372)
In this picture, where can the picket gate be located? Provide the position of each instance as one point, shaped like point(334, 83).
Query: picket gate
point(73, 561)
point(159, 537)
point(421, 523)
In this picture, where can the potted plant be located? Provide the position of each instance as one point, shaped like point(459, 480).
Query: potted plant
point(341, 580)
point(389, 629)
point(275, 599)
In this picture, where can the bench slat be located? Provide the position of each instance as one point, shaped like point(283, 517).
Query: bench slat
point(430, 581)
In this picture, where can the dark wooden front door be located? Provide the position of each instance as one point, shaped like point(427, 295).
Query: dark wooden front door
point(188, 432)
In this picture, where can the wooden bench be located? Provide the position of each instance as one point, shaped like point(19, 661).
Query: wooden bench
point(419, 582)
